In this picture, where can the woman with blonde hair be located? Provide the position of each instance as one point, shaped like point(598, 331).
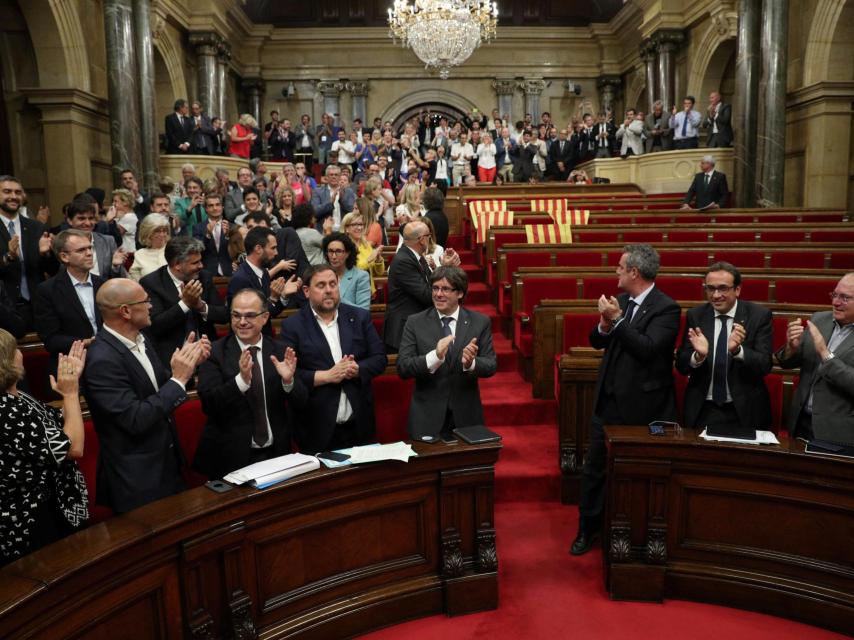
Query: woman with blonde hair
point(242, 136)
point(376, 234)
point(153, 236)
point(285, 203)
point(410, 204)
point(300, 188)
point(486, 166)
point(126, 220)
point(368, 258)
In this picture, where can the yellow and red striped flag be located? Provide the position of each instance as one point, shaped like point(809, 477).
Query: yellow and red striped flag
point(549, 205)
point(571, 216)
point(548, 233)
point(487, 219)
point(482, 206)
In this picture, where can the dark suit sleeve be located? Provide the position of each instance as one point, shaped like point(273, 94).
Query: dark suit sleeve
point(322, 208)
point(47, 321)
point(692, 192)
point(598, 340)
point(411, 364)
point(757, 357)
point(686, 350)
point(217, 311)
point(374, 363)
point(10, 320)
point(660, 334)
point(165, 316)
point(485, 362)
point(723, 197)
point(290, 336)
point(410, 279)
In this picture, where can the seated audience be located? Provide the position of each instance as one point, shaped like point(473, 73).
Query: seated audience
point(249, 392)
point(338, 355)
point(446, 348)
point(65, 304)
point(214, 235)
point(303, 222)
point(708, 190)
point(183, 298)
point(44, 496)
point(153, 236)
point(131, 397)
point(107, 261)
point(354, 284)
point(823, 404)
point(726, 352)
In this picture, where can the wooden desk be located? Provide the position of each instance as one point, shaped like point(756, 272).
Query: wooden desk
point(333, 553)
point(766, 528)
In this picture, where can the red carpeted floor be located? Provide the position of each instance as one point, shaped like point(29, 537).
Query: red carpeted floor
point(543, 591)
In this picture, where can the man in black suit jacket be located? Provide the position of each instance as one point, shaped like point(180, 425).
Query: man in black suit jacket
point(204, 137)
point(709, 189)
point(446, 348)
point(249, 420)
point(25, 254)
point(718, 121)
point(65, 308)
point(638, 331)
point(10, 319)
point(433, 201)
point(131, 397)
point(562, 156)
point(409, 282)
point(216, 259)
point(730, 389)
point(183, 298)
point(338, 355)
point(179, 129)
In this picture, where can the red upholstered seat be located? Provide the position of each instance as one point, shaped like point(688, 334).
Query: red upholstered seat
point(681, 287)
point(88, 465)
point(595, 286)
point(733, 236)
point(644, 220)
point(842, 260)
point(687, 236)
point(526, 259)
point(36, 366)
point(613, 220)
point(642, 236)
point(797, 260)
point(755, 290)
point(579, 259)
point(577, 328)
point(790, 235)
point(535, 289)
point(509, 237)
point(684, 258)
point(378, 325)
point(191, 422)
point(680, 383)
point(742, 259)
point(778, 331)
point(807, 291)
point(594, 236)
point(839, 235)
point(392, 395)
point(614, 258)
point(737, 219)
point(774, 384)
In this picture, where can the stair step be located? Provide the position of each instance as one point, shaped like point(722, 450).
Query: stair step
point(489, 311)
point(474, 272)
point(478, 293)
point(507, 400)
point(527, 467)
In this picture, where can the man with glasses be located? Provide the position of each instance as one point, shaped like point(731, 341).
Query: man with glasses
point(248, 390)
point(65, 308)
point(446, 348)
point(726, 352)
point(823, 347)
point(132, 397)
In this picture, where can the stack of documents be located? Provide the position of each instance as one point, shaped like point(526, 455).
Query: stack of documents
point(269, 472)
point(375, 453)
point(762, 437)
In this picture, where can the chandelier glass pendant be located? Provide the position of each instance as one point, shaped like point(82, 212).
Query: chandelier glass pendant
point(443, 33)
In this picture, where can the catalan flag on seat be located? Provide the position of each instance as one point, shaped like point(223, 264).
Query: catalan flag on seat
point(477, 207)
point(487, 219)
point(571, 216)
point(548, 233)
point(551, 206)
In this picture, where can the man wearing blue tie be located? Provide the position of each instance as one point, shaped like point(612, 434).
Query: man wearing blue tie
point(685, 125)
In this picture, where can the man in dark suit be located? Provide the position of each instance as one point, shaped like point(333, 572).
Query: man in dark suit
point(708, 190)
point(248, 390)
point(562, 156)
point(179, 129)
point(823, 405)
point(261, 251)
point(65, 308)
point(24, 249)
point(718, 121)
point(282, 142)
point(638, 331)
point(214, 235)
point(141, 202)
point(604, 135)
point(10, 319)
point(183, 298)
point(204, 137)
point(409, 282)
point(338, 355)
point(726, 351)
point(131, 397)
point(433, 201)
point(446, 348)
point(234, 199)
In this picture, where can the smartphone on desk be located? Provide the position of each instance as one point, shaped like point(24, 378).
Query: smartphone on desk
point(661, 427)
point(218, 486)
point(334, 456)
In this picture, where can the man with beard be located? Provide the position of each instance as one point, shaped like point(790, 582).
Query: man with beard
point(338, 354)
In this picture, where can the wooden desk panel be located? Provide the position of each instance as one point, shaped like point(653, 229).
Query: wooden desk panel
point(332, 553)
point(764, 528)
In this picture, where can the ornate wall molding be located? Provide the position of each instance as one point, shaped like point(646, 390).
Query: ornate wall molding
point(723, 27)
point(422, 96)
point(170, 51)
point(820, 41)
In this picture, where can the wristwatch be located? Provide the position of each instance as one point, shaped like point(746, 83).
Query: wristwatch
point(829, 356)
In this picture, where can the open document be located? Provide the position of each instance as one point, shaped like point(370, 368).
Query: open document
point(762, 437)
point(400, 451)
point(269, 472)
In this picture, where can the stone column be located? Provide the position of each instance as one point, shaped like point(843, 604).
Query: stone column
point(253, 89)
point(206, 45)
point(533, 89)
point(746, 101)
point(666, 41)
point(122, 75)
point(147, 117)
point(647, 55)
point(359, 91)
point(609, 87)
point(331, 92)
point(504, 89)
point(223, 61)
point(775, 30)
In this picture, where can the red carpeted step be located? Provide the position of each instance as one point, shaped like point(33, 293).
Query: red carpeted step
point(478, 293)
point(507, 400)
point(488, 310)
point(504, 353)
point(474, 272)
point(527, 469)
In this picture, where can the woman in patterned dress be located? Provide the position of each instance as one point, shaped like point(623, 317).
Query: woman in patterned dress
point(42, 492)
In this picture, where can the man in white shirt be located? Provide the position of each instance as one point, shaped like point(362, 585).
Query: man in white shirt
point(685, 125)
point(343, 150)
point(631, 134)
point(461, 155)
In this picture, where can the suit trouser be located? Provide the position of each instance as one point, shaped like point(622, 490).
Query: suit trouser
point(506, 172)
point(592, 500)
point(603, 152)
point(686, 143)
point(457, 173)
point(713, 141)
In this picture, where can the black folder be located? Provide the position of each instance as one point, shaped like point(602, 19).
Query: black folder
point(477, 434)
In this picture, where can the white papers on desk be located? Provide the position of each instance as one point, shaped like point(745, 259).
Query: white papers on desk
point(376, 453)
point(762, 437)
point(269, 472)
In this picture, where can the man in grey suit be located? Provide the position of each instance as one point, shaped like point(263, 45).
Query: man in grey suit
point(306, 144)
point(658, 124)
point(108, 261)
point(446, 348)
point(823, 405)
point(233, 204)
point(331, 200)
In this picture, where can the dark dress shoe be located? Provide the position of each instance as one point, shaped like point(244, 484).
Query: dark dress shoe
point(582, 543)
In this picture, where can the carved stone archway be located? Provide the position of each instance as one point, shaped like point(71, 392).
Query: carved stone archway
point(707, 52)
point(818, 52)
point(61, 25)
point(436, 96)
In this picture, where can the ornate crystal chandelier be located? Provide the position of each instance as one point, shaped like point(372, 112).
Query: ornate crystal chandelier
point(443, 33)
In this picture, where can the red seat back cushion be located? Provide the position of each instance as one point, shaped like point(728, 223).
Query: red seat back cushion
point(837, 235)
point(842, 260)
point(642, 236)
point(687, 236)
point(578, 259)
point(733, 236)
point(36, 366)
point(536, 289)
point(809, 291)
point(755, 290)
point(797, 260)
point(681, 287)
point(684, 258)
point(392, 395)
point(576, 329)
point(191, 422)
point(594, 236)
point(526, 259)
point(509, 237)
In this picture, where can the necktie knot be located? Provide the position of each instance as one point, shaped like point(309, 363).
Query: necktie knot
point(446, 326)
point(253, 350)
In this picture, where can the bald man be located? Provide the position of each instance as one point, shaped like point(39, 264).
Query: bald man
point(132, 396)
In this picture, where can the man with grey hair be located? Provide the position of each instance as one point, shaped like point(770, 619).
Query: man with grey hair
point(709, 189)
point(638, 332)
point(183, 298)
point(658, 124)
point(331, 199)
